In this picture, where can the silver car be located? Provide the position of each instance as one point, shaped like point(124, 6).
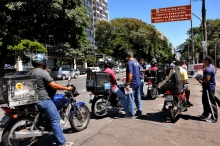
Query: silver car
point(118, 69)
point(63, 73)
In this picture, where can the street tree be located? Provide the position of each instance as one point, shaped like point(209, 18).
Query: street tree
point(116, 37)
point(48, 22)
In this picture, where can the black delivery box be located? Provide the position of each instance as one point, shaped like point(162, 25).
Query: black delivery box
point(97, 82)
point(16, 90)
point(174, 83)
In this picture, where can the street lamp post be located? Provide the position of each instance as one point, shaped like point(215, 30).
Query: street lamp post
point(193, 56)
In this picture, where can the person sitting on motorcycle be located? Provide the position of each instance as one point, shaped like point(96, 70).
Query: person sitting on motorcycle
point(153, 67)
point(153, 64)
point(184, 77)
point(46, 88)
point(108, 64)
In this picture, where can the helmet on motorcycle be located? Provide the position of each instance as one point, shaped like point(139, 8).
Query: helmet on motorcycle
point(109, 62)
point(153, 61)
point(39, 59)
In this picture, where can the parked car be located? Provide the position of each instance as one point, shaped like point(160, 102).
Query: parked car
point(95, 69)
point(63, 73)
point(77, 71)
point(83, 70)
point(118, 69)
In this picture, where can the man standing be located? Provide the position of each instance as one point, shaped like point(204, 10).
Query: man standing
point(208, 85)
point(133, 83)
point(141, 61)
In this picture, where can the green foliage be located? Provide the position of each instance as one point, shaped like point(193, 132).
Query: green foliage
point(48, 22)
point(120, 35)
point(29, 46)
point(213, 31)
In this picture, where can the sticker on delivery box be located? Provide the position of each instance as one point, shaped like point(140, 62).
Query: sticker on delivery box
point(19, 86)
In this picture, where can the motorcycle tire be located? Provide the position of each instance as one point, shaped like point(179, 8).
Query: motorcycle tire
point(174, 112)
point(79, 123)
point(7, 138)
point(97, 109)
point(153, 93)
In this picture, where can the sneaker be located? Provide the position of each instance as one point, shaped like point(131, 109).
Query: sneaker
point(164, 109)
point(202, 117)
point(211, 120)
point(68, 144)
point(189, 103)
point(138, 113)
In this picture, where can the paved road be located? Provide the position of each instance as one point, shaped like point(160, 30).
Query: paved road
point(153, 128)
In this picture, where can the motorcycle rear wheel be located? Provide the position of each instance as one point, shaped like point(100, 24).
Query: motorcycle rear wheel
point(97, 107)
point(22, 124)
point(79, 123)
point(174, 112)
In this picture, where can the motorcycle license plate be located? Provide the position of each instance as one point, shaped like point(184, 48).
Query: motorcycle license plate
point(4, 120)
point(150, 86)
point(169, 98)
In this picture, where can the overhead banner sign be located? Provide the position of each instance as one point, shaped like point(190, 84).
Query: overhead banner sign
point(170, 14)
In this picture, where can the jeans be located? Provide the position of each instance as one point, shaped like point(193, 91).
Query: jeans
point(141, 87)
point(122, 97)
point(50, 110)
point(134, 97)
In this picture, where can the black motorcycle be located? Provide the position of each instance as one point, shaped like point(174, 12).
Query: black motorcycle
point(24, 124)
point(103, 103)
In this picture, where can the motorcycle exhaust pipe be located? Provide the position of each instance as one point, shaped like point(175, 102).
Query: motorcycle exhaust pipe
point(18, 135)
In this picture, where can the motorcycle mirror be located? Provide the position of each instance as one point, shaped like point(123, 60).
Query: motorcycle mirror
point(69, 78)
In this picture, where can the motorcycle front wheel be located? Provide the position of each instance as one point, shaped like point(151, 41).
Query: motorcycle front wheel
point(80, 122)
point(154, 93)
point(21, 125)
point(98, 106)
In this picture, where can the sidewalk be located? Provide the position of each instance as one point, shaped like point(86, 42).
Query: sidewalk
point(154, 128)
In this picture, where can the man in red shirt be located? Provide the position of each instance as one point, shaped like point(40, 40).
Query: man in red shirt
point(108, 64)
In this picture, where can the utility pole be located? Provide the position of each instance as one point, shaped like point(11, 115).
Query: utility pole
point(204, 26)
point(192, 40)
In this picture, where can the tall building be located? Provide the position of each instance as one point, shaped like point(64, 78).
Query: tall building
point(100, 10)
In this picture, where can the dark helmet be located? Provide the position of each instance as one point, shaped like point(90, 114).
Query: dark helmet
point(39, 59)
point(153, 61)
point(109, 62)
point(178, 58)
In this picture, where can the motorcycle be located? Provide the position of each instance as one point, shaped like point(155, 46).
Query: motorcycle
point(25, 124)
point(175, 103)
point(103, 103)
point(152, 90)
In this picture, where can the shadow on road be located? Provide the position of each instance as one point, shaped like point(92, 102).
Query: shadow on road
point(189, 117)
point(162, 117)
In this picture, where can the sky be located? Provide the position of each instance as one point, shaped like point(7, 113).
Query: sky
point(175, 31)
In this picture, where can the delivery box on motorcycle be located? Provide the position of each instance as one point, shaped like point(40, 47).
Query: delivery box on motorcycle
point(173, 82)
point(97, 82)
point(18, 90)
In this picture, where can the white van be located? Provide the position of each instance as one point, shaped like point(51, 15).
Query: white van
point(95, 69)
